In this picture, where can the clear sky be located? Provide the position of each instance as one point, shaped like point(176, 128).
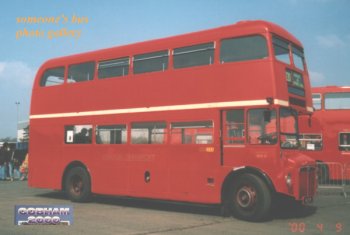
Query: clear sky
point(323, 26)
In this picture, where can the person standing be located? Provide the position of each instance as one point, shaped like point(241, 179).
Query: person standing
point(8, 154)
point(2, 164)
point(24, 168)
point(18, 158)
point(3, 161)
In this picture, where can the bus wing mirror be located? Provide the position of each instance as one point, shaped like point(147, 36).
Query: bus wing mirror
point(267, 116)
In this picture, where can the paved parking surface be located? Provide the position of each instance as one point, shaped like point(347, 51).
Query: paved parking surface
point(330, 214)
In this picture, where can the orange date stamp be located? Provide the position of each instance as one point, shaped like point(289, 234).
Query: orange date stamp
point(300, 227)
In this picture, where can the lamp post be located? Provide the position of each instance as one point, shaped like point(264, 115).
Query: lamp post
point(17, 105)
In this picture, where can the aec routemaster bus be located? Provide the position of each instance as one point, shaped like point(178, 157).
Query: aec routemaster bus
point(326, 136)
point(208, 117)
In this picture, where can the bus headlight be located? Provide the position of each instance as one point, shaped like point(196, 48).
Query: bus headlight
point(289, 180)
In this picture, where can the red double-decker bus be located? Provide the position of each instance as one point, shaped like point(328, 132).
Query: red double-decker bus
point(208, 117)
point(326, 134)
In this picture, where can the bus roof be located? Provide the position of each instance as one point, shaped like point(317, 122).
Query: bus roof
point(327, 89)
point(240, 28)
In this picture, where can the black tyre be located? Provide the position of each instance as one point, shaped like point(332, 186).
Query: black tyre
point(250, 198)
point(78, 185)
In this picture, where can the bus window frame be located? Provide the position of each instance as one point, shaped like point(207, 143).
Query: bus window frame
point(302, 138)
point(320, 98)
point(325, 98)
point(220, 49)
point(342, 147)
point(291, 53)
point(52, 68)
point(83, 81)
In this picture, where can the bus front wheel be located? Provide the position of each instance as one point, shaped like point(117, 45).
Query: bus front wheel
point(78, 185)
point(250, 198)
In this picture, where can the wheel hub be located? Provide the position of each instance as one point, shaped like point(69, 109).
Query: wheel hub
point(77, 185)
point(246, 197)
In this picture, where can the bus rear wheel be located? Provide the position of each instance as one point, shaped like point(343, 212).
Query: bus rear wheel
point(78, 185)
point(250, 198)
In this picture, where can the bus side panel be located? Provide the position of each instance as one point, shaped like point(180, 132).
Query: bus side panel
point(142, 92)
point(108, 167)
point(193, 173)
point(45, 154)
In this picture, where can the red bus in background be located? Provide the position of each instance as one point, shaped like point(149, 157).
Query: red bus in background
point(208, 117)
point(326, 134)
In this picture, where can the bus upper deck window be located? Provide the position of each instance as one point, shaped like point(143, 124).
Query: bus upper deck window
point(243, 48)
point(113, 68)
point(340, 100)
point(298, 57)
point(151, 62)
point(81, 72)
point(196, 55)
point(317, 101)
point(52, 77)
point(281, 49)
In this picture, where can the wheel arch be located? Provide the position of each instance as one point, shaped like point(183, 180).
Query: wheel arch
point(245, 170)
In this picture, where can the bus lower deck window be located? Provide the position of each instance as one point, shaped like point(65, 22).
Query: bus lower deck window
point(111, 134)
point(148, 133)
point(199, 132)
point(78, 134)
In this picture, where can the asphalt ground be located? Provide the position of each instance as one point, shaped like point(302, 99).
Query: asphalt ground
point(329, 214)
